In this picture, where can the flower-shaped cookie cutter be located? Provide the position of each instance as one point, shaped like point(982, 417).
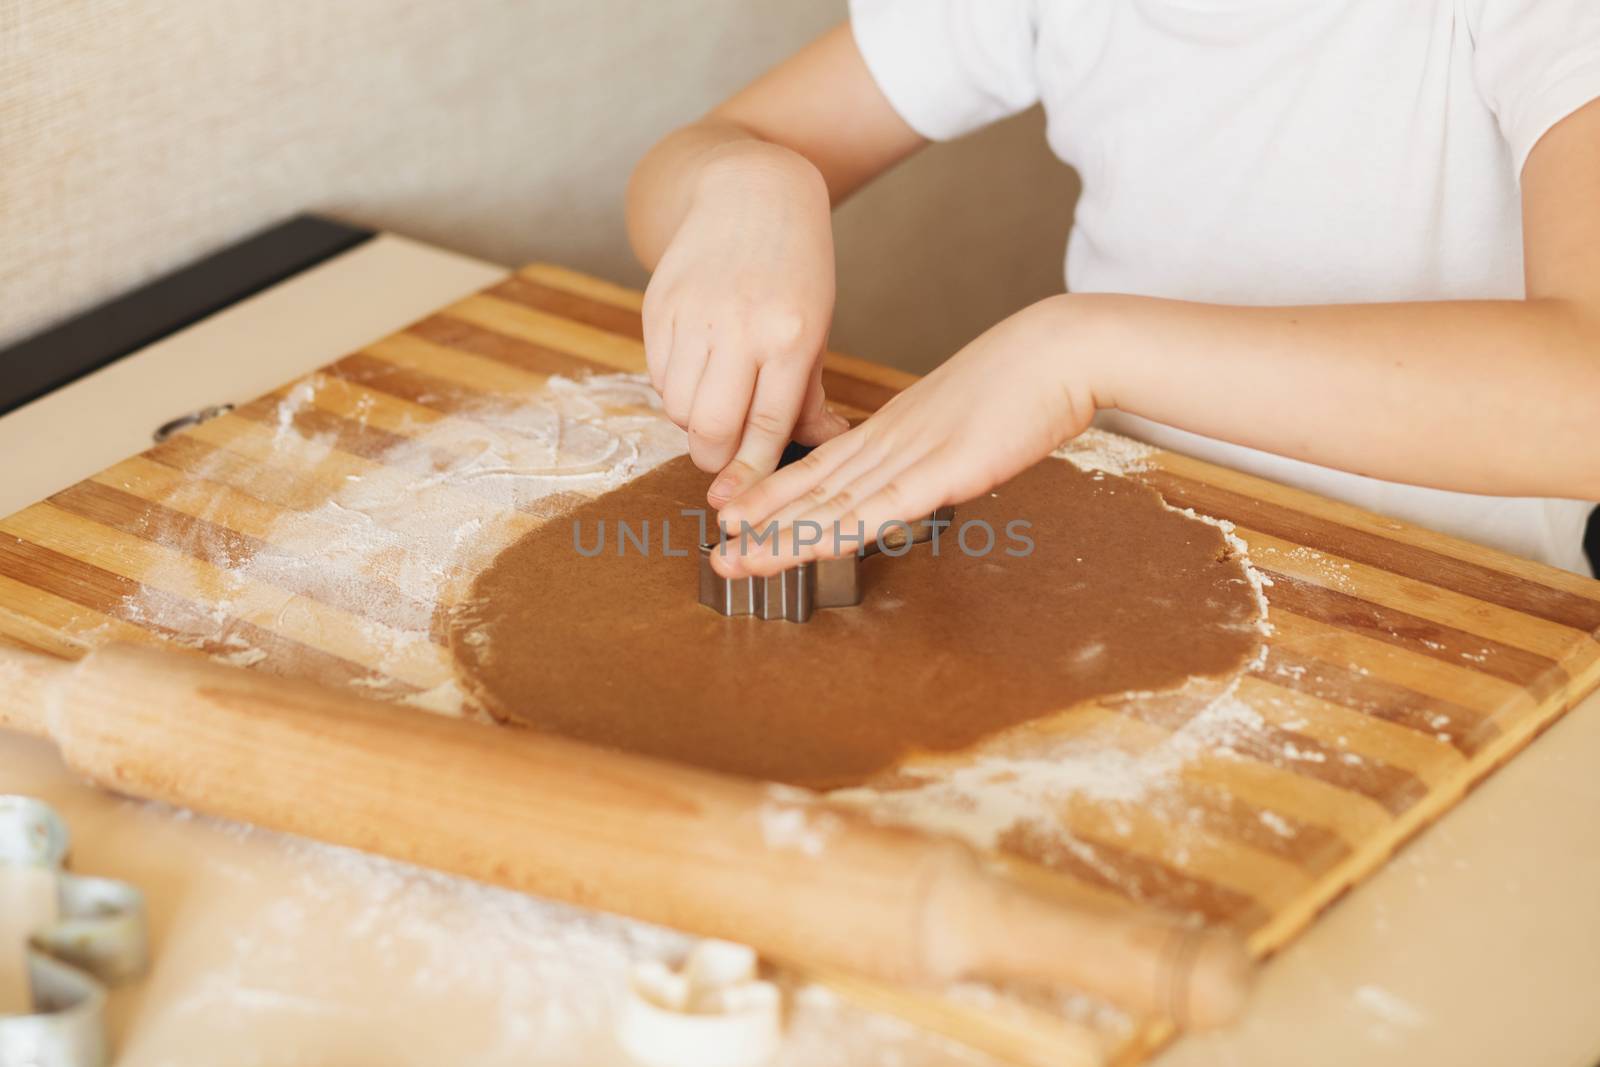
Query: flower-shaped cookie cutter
point(796, 593)
point(96, 938)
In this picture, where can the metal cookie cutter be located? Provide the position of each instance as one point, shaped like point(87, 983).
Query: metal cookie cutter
point(95, 937)
point(796, 593)
point(792, 594)
point(193, 418)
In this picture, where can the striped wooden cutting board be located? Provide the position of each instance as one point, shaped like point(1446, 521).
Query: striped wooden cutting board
point(1403, 666)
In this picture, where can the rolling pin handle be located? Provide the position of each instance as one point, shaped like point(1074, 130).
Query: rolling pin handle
point(1210, 979)
point(28, 683)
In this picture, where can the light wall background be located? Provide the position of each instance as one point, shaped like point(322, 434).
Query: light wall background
point(137, 135)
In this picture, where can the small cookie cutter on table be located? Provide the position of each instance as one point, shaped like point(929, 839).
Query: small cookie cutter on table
point(714, 1011)
point(98, 938)
point(795, 594)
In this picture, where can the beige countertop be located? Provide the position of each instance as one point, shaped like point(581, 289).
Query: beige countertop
point(1478, 944)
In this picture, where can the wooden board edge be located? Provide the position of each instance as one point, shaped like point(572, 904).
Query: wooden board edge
point(1438, 802)
point(1327, 509)
point(581, 284)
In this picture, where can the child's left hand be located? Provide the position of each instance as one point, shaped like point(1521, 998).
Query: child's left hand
point(995, 408)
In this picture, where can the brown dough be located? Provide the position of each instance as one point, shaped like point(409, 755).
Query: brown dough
point(1120, 593)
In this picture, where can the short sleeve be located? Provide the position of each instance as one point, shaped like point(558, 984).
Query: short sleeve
point(950, 66)
point(1536, 62)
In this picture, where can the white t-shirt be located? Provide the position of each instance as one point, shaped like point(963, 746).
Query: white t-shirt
point(1275, 152)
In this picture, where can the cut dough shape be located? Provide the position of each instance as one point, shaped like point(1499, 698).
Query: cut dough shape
point(1119, 593)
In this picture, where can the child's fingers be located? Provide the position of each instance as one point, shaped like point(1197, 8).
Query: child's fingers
point(657, 342)
point(721, 405)
point(907, 497)
point(868, 467)
point(690, 349)
point(902, 497)
point(770, 494)
point(826, 505)
point(780, 389)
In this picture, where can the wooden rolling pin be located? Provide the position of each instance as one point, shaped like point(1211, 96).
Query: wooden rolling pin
point(705, 853)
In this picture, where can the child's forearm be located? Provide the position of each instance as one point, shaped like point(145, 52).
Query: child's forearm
point(1490, 397)
point(817, 119)
point(665, 182)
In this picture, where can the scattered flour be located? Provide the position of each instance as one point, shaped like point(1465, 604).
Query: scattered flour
point(1392, 1012)
point(367, 569)
point(1290, 751)
point(1276, 823)
point(1109, 453)
point(1331, 572)
point(992, 792)
point(799, 825)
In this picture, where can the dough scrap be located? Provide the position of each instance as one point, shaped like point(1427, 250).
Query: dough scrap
point(1119, 594)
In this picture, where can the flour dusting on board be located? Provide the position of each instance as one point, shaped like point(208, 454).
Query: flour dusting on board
point(998, 790)
point(359, 575)
point(1098, 450)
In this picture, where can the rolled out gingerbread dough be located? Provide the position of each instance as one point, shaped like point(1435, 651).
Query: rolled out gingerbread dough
point(1119, 593)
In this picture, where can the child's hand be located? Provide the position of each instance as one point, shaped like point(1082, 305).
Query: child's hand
point(737, 313)
point(999, 405)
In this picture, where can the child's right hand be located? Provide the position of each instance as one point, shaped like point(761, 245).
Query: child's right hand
point(736, 316)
